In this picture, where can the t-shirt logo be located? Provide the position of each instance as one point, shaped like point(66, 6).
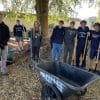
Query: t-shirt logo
point(71, 32)
point(95, 36)
point(19, 29)
point(82, 34)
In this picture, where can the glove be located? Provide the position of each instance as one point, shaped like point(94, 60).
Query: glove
point(2, 46)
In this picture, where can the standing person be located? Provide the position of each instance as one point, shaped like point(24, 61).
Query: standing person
point(36, 40)
point(4, 38)
point(18, 33)
point(81, 41)
point(95, 47)
point(57, 39)
point(69, 41)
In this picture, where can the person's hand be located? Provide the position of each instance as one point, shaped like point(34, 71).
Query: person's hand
point(2, 46)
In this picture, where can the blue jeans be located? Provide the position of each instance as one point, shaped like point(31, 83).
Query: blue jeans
point(56, 51)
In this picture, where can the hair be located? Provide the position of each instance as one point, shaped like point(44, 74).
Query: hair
point(61, 21)
point(72, 22)
point(83, 21)
point(34, 28)
point(96, 24)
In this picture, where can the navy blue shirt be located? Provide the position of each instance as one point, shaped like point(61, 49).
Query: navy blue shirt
point(18, 30)
point(95, 39)
point(81, 36)
point(70, 35)
point(58, 35)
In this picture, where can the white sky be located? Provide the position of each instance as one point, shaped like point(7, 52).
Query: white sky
point(86, 12)
point(83, 12)
point(1, 7)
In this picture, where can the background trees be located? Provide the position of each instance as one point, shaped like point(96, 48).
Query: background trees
point(42, 8)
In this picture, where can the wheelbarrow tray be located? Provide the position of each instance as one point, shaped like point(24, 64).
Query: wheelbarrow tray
point(66, 78)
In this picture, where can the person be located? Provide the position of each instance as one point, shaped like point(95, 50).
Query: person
point(18, 33)
point(57, 39)
point(82, 33)
point(4, 38)
point(36, 40)
point(69, 41)
point(95, 47)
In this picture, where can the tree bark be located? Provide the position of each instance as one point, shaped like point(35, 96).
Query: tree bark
point(42, 15)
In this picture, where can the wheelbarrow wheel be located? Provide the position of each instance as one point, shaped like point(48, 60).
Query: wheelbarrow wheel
point(50, 93)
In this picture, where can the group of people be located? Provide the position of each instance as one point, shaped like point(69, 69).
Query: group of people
point(35, 38)
point(62, 38)
point(67, 36)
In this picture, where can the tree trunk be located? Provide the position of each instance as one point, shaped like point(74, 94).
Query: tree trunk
point(42, 15)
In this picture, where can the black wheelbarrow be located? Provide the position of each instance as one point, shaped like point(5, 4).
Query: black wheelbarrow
point(61, 80)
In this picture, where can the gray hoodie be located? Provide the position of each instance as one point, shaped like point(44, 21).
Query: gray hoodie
point(69, 38)
point(36, 40)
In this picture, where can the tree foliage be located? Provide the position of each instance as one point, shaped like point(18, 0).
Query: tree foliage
point(28, 6)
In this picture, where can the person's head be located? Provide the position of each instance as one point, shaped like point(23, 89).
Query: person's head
point(1, 17)
point(97, 26)
point(83, 23)
point(18, 22)
point(72, 24)
point(61, 23)
point(36, 24)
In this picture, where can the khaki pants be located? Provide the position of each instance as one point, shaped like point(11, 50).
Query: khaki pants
point(3, 55)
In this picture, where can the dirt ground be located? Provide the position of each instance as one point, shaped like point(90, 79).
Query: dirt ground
point(23, 84)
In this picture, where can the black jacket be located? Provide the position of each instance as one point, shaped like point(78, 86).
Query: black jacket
point(4, 34)
point(58, 35)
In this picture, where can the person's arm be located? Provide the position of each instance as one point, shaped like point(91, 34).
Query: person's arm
point(24, 29)
point(14, 30)
point(77, 33)
point(53, 34)
point(41, 38)
point(91, 31)
point(52, 37)
point(7, 35)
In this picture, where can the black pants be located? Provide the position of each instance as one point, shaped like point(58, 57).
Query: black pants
point(79, 52)
point(35, 52)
